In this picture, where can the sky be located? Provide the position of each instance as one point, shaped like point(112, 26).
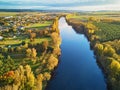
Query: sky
point(85, 5)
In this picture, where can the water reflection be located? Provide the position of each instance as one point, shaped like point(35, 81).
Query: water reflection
point(77, 69)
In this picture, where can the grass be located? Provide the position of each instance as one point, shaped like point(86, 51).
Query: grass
point(40, 25)
point(16, 42)
point(39, 40)
point(80, 17)
point(109, 15)
point(8, 13)
point(10, 42)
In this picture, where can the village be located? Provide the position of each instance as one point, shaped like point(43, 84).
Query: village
point(14, 26)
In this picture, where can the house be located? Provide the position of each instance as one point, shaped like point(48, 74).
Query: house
point(7, 17)
point(1, 38)
point(21, 28)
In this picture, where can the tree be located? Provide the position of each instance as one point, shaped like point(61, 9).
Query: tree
point(115, 68)
point(32, 36)
point(99, 49)
point(52, 62)
point(7, 65)
point(55, 25)
point(45, 32)
point(46, 76)
point(41, 33)
point(29, 31)
point(18, 49)
point(31, 53)
point(39, 82)
point(34, 53)
point(56, 51)
point(109, 51)
point(24, 78)
point(90, 26)
point(5, 50)
point(14, 28)
point(92, 19)
point(23, 43)
point(28, 52)
point(45, 45)
point(30, 77)
point(54, 37)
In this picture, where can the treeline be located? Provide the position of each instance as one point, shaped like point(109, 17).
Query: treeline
point(33, 71)
point(108, 53)
point(110, 63)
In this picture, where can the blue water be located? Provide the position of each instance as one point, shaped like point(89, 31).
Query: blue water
point(77, 69)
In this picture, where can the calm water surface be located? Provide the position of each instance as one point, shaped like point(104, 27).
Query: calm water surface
point(77, 69)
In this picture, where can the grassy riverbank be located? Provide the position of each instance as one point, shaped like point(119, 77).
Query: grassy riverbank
point(102, 31)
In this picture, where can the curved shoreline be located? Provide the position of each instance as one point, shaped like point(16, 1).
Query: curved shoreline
point(65, 63)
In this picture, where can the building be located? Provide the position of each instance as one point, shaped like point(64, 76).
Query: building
point(1, 38)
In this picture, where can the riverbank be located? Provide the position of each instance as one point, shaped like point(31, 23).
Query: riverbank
point(105, 55)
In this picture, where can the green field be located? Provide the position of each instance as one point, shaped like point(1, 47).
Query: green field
point(98, 15)
point(16, 42)
point(40, 25)
point(108, 30)
point(107, 23)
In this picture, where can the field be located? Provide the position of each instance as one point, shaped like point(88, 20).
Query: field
point(8, 13)
point(40, 25)
point(17, 42)
point(98, 15)
point(107, 23)
point(108, 31)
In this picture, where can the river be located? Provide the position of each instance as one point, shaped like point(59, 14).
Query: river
point(77, 69)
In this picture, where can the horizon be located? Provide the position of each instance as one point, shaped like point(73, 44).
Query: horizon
point(83, 5)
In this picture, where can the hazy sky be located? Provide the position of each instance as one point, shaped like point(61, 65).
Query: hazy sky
point(88, 5)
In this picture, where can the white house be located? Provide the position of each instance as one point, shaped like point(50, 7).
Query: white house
point(1, 38)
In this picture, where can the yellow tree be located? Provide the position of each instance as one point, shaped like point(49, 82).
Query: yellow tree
point(46, 76)
point(32, 36)
point(45, 45)
point(39, 82)
point(30, 77)
point(28, 52)
point(109, 51)
point(99, 49)
point(52, 62)
point(33, 53)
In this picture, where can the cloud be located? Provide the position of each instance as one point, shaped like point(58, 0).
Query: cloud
point(61, 4)
point(96, 7)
